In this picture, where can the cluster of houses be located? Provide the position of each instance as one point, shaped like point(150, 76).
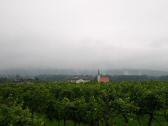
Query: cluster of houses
point(100, 78)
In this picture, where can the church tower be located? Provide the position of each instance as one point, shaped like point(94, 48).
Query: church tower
point(98, 76)
point(102, 78)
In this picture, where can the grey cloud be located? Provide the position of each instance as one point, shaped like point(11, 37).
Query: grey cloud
point(84, 34)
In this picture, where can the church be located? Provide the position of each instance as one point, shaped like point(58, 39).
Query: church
point(102, 78)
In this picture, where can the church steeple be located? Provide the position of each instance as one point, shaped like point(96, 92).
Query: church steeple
point(101, 78)
point(98, 72)
point(98, 75)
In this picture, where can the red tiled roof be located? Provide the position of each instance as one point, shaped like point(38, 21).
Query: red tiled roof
point(104, 79)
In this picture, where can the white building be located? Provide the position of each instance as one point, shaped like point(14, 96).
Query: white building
point(81, 81)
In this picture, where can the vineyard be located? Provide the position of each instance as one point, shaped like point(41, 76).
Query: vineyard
point(141, 103)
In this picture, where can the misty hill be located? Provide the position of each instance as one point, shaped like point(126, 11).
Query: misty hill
point(35, 72)
point(137, 72)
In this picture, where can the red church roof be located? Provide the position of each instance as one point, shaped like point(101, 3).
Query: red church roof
point(104, 79)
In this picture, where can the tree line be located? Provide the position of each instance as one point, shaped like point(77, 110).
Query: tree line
point(117, 103)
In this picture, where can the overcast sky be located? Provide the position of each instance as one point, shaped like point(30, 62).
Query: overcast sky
point(84, 34)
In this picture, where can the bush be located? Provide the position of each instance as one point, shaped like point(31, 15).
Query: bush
point(16, 116)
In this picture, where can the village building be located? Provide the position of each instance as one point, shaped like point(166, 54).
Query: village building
point(102, 78)
point(81, 81)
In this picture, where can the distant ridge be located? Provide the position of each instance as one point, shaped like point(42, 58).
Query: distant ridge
point(34, 72)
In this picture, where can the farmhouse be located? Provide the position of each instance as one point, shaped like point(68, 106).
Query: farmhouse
point(78, 80)
point(81, 81)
